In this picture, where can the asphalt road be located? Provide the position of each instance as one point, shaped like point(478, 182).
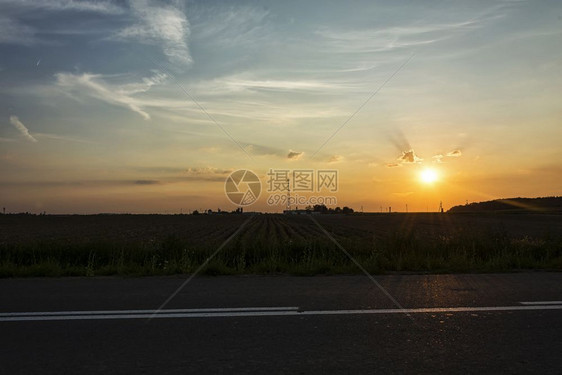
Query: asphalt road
point(507, 323)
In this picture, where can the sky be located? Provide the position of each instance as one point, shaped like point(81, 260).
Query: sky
point(147, 106)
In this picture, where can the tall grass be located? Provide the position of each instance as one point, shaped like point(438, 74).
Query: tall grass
point(258, 251)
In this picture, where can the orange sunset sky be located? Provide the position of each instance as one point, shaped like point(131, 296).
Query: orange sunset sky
point(147, 106)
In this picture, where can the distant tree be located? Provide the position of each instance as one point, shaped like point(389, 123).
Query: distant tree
point(195, 212)
point(325, 210)
point(320, 208)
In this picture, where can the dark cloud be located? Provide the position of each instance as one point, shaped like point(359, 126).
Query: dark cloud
point(409, 157)
point(455, 153)
point(294, 155)
point(146, 182)
point(158, 170)
point(261, 150)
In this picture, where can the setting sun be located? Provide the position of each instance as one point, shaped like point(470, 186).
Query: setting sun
point(428, 176)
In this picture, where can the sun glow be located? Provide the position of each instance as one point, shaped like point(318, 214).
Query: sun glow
point(428, 176)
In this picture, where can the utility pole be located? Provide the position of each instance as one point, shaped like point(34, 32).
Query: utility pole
point(288, 195)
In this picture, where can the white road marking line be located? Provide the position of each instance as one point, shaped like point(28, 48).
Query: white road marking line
point(151, 316)
point(542, 303)
point(434, 310)
point(118, 312)
point(279, 312)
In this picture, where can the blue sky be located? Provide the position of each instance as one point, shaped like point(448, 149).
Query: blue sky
point(101, 102)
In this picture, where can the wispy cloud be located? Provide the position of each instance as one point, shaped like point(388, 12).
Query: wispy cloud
point(261, 150)
point(335, 159)
point(57, 137)
point(455, 153)
point(201, 174)
point(202, 171)
point(192, 174)
point(166, 26)
point(135, 93)
point(79, 183)
point(230, 26)
point(15, 121)
point(14, 32)
point(389, 38)
point(239, 84)
point(106, 7)
point(95, 86)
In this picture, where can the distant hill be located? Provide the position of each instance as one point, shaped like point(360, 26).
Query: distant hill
point(548, 204)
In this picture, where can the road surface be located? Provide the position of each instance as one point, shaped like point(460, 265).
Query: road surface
point(484, 323)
